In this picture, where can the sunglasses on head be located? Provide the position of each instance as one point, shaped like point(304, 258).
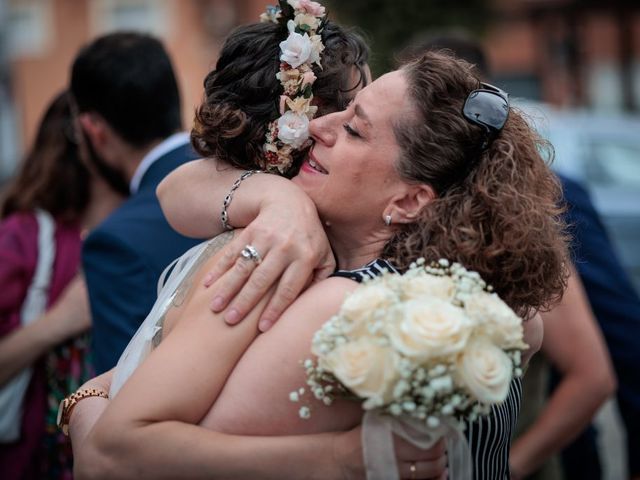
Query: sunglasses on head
point(488, 107)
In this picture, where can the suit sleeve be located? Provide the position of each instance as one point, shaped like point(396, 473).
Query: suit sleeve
point(122, 290)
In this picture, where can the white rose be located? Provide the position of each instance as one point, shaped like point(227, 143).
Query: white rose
point(365, 300)
point(367, 369)
point(496, 320)
point(296, 49)
point(293, 129)
point(430, 328)
point(426, 286)
point(485, 370)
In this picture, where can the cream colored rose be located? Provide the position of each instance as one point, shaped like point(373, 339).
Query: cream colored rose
point(485, 370)
point(426, 286)
point(430, 328)
point(496, 320)
point(366, 368)
point(360, 306)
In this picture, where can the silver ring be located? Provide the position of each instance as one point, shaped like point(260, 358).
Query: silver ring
point(249, 252)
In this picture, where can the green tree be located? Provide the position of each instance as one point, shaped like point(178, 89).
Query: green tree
point(391, 24)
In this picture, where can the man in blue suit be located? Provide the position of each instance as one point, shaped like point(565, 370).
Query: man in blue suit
point(128, 110)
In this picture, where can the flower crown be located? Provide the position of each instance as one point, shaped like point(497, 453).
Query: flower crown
point(302, 48)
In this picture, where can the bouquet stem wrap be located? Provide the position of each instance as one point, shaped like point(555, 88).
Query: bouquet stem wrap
point(377, 440)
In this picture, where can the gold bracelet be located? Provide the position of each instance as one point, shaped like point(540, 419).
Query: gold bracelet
point(68, 404)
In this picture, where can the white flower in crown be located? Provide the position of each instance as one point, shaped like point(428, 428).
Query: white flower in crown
point(296, 49)
point(293, 129)
point(298, 52)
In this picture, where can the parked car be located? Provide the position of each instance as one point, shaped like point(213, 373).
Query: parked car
point(602, 151)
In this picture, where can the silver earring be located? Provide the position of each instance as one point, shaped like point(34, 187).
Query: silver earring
point(387, 220)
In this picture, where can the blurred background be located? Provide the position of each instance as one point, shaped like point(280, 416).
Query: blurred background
point(577, 61)
point(574, 65)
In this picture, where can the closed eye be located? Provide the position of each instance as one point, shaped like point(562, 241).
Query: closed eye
point(350, 131)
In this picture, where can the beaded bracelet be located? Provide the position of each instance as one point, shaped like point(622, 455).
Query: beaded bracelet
point(224, 216)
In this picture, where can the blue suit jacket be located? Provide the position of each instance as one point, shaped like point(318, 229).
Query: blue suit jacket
point(615, 304)
point(123, 258)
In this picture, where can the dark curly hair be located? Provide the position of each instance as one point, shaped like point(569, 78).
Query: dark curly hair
point(242, 93)
point(52, 176)
point(497, 211)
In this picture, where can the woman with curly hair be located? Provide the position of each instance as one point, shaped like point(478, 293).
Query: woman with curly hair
point(425, 162)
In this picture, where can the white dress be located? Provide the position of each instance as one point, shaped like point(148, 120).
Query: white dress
point(173, 286)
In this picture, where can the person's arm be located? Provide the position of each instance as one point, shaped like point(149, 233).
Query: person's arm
point(282, 224)
point(149, 431)
point(67, 318)
point(574, 345)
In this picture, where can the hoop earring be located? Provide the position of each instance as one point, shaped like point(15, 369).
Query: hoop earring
point(387, 220)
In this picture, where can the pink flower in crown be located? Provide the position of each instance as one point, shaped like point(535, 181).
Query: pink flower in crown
point(311, 7)
point(308, 78)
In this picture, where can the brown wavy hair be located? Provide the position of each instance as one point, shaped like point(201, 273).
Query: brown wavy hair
point(52, 176)
point(242, 93)
point(497, 211)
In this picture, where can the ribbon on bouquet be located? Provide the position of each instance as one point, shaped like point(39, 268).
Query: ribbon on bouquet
point(377, 440)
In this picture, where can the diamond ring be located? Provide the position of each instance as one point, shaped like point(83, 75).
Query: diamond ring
point(249, 252)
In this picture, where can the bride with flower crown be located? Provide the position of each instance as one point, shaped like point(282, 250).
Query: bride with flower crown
point(393, 182)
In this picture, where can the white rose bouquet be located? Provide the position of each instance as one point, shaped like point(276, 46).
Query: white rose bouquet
point(425, 351)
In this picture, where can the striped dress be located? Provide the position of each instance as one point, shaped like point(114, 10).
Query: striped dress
point(490, 436)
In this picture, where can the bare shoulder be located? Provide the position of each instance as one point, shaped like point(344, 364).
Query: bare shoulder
point(322, 299)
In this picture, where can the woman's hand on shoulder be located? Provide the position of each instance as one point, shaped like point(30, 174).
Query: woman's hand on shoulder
point(293, 252)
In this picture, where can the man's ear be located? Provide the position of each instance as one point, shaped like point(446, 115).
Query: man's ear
point(94, 128)
point(406, 207)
